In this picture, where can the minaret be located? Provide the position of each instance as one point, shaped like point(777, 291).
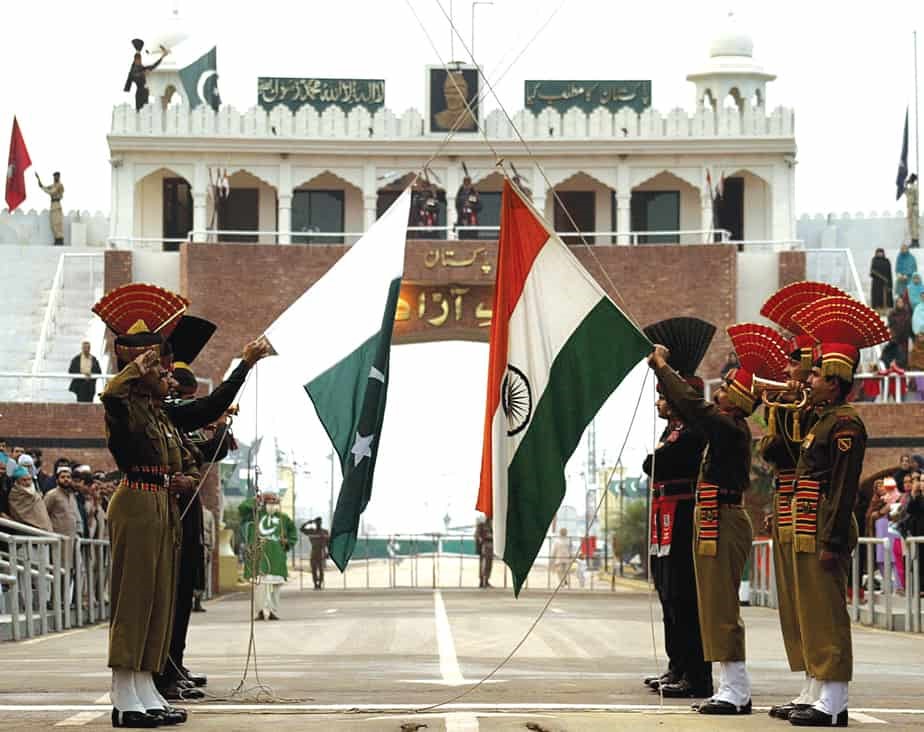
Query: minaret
point(731, 70)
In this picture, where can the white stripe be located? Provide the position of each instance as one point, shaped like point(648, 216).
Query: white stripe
point(461, 722)
point(499, 482)
point(449, 663)
point(79, 719)
point(365, 272)
point(865, 718)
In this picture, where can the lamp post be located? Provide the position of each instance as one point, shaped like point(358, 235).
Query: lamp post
point(476, 2)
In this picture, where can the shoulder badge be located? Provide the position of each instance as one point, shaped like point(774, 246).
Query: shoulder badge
point(844, 443)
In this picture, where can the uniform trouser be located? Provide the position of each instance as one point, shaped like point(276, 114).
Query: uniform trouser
point(659, 574)
point(142, 540)
point(821, 603)
point(56, 219)
point(682, 637)
point(183, 609)
point(717, 580)
point(485, 562)
point(317, 570)
point(786, 596)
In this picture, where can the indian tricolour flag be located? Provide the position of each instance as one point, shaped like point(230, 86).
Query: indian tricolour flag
point(559, 347)
point(335, 339)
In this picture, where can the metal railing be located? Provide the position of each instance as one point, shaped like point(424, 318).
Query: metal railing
point(630, 238)
point(50, 582)
point(873, 598)
point(446, 561)
point(28, 381)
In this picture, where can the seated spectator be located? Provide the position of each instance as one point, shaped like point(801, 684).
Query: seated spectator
point(26, 504)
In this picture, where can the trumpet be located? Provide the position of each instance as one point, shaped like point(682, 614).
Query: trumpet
point(775, 393)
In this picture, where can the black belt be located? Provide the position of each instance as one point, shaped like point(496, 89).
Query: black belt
point(729, 498)
point(152, 477)
point(668, 488)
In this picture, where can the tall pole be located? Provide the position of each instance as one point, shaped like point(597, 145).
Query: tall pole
point(452, 36)
point(917, 117)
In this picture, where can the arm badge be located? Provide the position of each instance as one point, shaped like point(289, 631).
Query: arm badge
point(844, 443)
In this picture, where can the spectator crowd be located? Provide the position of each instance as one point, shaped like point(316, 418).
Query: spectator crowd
point(895, 511)
point(902, 303)
point(71, 499)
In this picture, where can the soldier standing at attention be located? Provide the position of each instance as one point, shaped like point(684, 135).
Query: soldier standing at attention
point(827, 481)
point(318, 538)
point(55, 212)
point(143, 520)
point(675, 464)
point(484, 545)
point(722, 531)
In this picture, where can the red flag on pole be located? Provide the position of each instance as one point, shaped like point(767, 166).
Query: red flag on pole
point(16, 169)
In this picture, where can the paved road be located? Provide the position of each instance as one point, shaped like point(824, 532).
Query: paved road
point(365, 660)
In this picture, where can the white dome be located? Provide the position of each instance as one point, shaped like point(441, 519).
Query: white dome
point(732, 41)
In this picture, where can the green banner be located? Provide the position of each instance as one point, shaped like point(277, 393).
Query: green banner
point(586, 95)
point(320, 93)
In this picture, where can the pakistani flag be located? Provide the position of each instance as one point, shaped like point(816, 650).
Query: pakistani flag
point(344, 368)
point(200, 79)
point(559, 347)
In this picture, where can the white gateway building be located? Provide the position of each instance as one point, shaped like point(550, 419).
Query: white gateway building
point(318, 160)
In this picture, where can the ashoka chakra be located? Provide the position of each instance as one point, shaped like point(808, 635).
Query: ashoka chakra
point(516, 400)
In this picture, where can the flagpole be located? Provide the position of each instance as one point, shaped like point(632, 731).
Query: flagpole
point(917, 117)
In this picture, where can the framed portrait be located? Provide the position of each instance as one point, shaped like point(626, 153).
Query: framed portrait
point(448, 89)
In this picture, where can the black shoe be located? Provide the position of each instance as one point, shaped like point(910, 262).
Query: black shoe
point(683, 689)
point(169, 715)
point(260, 616)
point(178, 691)
point(715, 706)
point(195, 679)
point(649, 680)
point(273, 616)
point(782, 711)
point(135, 720)
point(668, 678)
point(812, 717)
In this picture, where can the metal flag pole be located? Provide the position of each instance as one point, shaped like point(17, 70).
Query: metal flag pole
point(917, 116)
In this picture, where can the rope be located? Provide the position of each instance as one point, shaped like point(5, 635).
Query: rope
point(561, 582)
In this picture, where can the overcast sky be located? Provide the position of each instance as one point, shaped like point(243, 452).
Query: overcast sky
point(846, 68)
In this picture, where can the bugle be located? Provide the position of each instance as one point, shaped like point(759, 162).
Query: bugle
point(779, 393)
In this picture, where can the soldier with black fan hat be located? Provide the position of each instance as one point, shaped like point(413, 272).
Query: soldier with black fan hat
point(672, 471)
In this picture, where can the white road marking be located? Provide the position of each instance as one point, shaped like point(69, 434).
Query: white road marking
point(55, 636)
point(104, 699)
point(449, 663)
point(865, 718)
point(557, 610)
point(80, 719)
point(330, 611)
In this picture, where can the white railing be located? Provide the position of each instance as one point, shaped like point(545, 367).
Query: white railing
point(47, 588)
point(873, 599)
point(29, 381)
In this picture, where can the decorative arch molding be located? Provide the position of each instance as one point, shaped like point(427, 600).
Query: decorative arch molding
point(302, 176)
point(691, 176)
point(186, 171)
point(605, 177)
point(265, 174)
point(762, 173)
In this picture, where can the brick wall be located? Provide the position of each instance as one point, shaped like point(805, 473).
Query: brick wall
point(118, 272)
point(792, 267)
point(891, 420)
point(244, 287)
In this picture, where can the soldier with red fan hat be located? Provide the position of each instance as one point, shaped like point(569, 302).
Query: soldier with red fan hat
point(143, 522)
point(827, 481)
point(722, 531)
point(786, 427)
point(672, 471)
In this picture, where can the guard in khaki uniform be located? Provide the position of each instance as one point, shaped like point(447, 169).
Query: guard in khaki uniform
point(143, 521)
point(827, 480)
point(786, 428)
point(55, 212)
point(722, 531)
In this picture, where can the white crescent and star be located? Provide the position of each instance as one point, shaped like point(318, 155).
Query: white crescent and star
point(200, 85)
point(269, 525)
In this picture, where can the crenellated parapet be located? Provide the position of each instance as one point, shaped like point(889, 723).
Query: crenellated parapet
point(358, 123)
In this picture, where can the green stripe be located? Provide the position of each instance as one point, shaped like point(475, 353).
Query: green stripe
point(591, 364)
point(349, 403)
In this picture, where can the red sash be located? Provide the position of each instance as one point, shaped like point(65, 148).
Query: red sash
point(707, 501)
point(663, 513)
point(805, 516)
point(782, 501)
